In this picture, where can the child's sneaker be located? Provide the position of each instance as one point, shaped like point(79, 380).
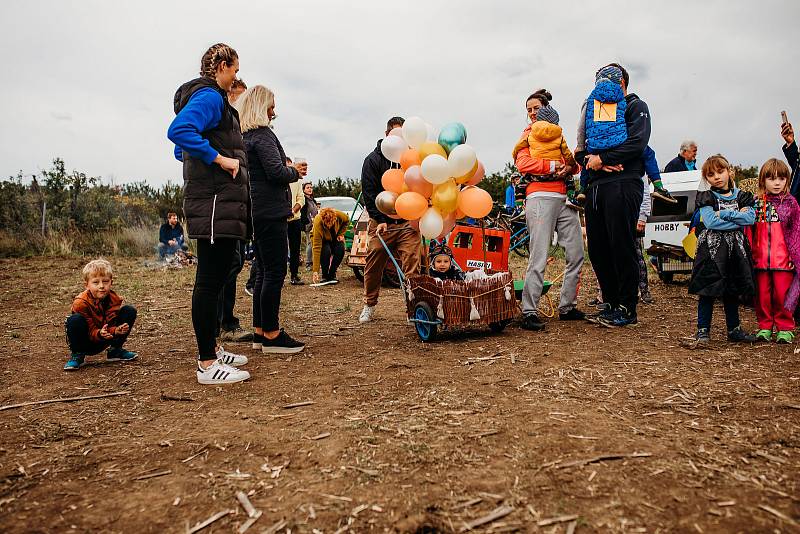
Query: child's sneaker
point(258, 339)
point(229, 358)
point(75, 362)
point(220, 373)
point(367, 314)
point(701, 340)
point(118, 354)
point(764, 335)
point(646, 297)
point(283, 344)
point(784, 337)
point(663, 194)
point(737, 335)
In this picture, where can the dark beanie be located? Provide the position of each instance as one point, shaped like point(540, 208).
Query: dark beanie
point(547, 113)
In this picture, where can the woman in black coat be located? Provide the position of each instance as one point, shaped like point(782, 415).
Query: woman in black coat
point(269, 191)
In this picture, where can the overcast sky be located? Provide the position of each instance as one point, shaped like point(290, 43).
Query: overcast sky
point(92, 82)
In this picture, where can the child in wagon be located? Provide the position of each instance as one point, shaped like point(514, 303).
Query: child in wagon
point(442, 265)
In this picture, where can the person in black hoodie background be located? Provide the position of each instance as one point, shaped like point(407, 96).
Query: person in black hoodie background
point(209, 142)
point(271, 208)
point(397, 233)
point(613, 197)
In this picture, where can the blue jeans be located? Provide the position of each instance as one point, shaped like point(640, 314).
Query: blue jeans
point(705, 309)
point(77, 329)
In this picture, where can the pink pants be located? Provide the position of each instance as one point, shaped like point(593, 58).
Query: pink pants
point(771, 289)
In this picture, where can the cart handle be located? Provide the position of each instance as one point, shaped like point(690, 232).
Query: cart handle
point(400, 275)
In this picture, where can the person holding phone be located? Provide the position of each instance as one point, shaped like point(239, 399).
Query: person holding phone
point(791, 153)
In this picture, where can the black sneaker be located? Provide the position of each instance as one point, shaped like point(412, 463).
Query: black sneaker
point(258, 340)
point(737, 335)
point(296, 281)
point(531, 321)
point(572, 315)
point(646, 297)
point(701, 340)
point(663, 194)
point(283, 344)
point(237, 335)
point(619, 317)
point(605, 313)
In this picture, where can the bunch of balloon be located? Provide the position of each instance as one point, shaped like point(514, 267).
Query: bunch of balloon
point(435, 182)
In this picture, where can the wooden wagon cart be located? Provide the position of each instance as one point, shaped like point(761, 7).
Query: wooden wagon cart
point(433, 304)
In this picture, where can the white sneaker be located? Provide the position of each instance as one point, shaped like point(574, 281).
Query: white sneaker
point(220, 373)
point(230, 358)
point(367, 314)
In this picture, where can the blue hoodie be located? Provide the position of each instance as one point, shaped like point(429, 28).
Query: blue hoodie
point(202, 113)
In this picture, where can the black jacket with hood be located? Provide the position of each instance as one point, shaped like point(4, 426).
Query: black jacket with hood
point(215, 204)
point(375, 164)
point(269, 176)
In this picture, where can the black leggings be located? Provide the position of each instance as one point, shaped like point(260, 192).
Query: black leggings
point(271, 249)
point(213, 267)
point(330, 258)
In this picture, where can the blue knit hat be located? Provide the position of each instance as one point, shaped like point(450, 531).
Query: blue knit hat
point(610, 73)
point(547, 113)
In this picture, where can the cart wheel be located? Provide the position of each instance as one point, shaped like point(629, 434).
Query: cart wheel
point(665, 277)
point(499, 326)
point(425, 331)
point(359, 273)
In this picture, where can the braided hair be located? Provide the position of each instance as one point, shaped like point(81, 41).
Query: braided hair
point(214, 57)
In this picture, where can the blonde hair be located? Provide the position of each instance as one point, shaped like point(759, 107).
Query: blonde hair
point(253, 107)
point(718, 163)
point(774, 168)
point(98, 267)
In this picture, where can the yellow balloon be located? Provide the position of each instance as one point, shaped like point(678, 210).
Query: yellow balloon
point(431, 147)
point(467, 177)
point(445, 197)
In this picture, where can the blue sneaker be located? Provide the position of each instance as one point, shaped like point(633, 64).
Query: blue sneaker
point(619, 317)
point(605, 314)
point(75, 362)
point(119, 354)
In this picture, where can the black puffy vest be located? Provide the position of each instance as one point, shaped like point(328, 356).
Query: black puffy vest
point(215, 204)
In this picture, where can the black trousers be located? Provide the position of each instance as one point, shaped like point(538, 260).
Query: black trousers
point(77, 330)
point(295, 232)
point(330, 258)
point(612, 210)
point(213, 268)
point(251, 280)
point(226, 320)
point(271, 247)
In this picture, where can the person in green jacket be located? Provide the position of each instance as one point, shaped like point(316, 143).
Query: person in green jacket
point(327, 243)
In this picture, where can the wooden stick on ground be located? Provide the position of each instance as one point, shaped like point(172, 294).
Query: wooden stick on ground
point(298, 404)
point(778, 514)
point(604, 457)
point(554, 520)
point(494, 515)
point(153, 475)
point(65, 399)
point(200, 526)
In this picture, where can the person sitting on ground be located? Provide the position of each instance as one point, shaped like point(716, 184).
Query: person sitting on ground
point(170, 236)
point(545, 141)
point(686, 160)
point(327, 243)
point(442, 265)
point(98, 321)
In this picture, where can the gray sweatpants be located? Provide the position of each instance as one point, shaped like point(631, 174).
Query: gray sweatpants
point(544, 215)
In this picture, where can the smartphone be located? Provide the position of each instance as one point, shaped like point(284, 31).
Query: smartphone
point(784, 118)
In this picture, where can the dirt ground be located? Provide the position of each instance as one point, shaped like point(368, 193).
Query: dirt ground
point(574, 429)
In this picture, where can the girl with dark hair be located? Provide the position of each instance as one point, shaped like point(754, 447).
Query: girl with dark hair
point(209, 142)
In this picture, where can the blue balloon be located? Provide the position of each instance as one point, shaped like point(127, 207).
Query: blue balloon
point(451, 135)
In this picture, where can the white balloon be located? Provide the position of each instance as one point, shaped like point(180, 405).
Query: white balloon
point(415, 132)
point(435, 169)
point(433, 135)
point(431, 223)
point(392, 147)
point(461, 160)
point(398, 131)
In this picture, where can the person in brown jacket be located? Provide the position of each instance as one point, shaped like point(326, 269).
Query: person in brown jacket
point(327, 243)
point(98, 321)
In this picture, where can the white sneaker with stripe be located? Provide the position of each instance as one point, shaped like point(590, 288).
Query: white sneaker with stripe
point(220, 373)
point(230, 358)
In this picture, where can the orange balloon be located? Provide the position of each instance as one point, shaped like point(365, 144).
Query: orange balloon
point(411, 205)
point(409, 158)
point(459, 214)
point(475, 202)
point(393, 180)
point(431, 147)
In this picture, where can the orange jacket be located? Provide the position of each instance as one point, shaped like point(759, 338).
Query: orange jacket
point(528, 163)
point(98, 312)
